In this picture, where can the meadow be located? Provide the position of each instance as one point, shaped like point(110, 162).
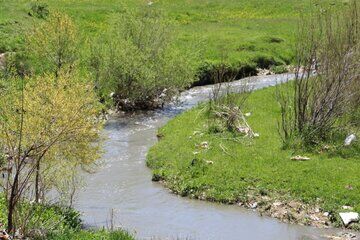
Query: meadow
point(257, 33)
point(238, 170)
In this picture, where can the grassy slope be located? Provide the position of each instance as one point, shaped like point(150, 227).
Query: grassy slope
point(261, 164)
point(245, 29)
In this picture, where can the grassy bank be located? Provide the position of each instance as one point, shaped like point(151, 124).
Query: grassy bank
point(52, 222)
point(251, 34)
point(92, 235)
point(256, 173)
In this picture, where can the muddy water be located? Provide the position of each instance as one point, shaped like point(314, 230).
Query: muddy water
point(124, 184)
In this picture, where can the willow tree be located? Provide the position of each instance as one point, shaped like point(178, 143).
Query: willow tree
point(52, 46)
point(48, 125)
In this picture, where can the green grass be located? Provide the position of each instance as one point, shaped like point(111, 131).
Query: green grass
point(92, 235)
point(248, 31)
point(259, 165)
point(62, 224)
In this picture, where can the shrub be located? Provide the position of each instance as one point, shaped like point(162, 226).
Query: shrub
point(39, 10)
point(139, 63)
point(327, 78)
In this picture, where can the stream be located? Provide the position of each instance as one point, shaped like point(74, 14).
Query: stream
point(121, 191)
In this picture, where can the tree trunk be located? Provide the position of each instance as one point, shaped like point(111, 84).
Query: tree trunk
point(37, 182)
point(12, 204)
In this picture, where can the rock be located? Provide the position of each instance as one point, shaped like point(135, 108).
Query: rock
point(4, 235)
point(300, 158)
point(326, 214)
point(349, 217)
point(314, 218)
point(294, 205)
point(349, 140)
point(264, 72)
point(253, 205)
point(112, 94)
point(342, 236)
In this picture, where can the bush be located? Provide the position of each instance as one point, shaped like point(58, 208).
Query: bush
point(139, 63)
point(39, 10)
point(326, 87)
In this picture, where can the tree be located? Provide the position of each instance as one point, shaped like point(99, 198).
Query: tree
point(138, 61)
point(48, 124)
point(53, 45)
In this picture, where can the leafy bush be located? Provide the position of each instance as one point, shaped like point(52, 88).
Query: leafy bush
point(39, 10)
point(138, 62)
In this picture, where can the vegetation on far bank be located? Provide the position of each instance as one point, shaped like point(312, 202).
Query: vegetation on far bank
point(253, 33)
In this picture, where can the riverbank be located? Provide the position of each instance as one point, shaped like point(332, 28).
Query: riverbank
point(54, 222)
point(244, 35)
point(218, 166)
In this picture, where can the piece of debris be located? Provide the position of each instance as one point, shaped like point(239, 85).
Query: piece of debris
point(326, 214)
point(300, 158)
point(196, 133)
point(247, 114)
point(243, 130)
point(209, 162)
point(204, 145)
point(349, 140)
point(349, 217)
point(347, 208)
point(349, 187)
point(256, 135)
point(195, 153)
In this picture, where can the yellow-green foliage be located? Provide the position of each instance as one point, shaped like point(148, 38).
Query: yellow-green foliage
point(58, 127)
point(53, 45)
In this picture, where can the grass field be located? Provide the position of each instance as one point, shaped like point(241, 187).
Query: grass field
point(256, 167)
point(245, 32)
